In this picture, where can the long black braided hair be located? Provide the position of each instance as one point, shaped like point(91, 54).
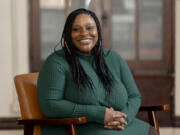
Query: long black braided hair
point(79, 75)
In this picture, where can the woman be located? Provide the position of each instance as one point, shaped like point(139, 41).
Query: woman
point(84, 79)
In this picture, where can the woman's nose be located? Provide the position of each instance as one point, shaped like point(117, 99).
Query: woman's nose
point(84, 32)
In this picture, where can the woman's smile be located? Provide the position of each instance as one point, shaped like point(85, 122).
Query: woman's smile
point(85, 41)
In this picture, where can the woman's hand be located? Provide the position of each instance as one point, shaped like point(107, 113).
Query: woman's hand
point(114, 119)
point(116, 124)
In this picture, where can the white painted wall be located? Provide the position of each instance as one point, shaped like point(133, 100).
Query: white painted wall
point(13, 51)
point(177, 60)
point(5, 57)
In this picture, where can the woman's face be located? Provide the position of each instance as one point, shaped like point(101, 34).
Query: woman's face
point(84, 33)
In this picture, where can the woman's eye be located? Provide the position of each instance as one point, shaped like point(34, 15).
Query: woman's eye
point(76, 29)
point(90, 27)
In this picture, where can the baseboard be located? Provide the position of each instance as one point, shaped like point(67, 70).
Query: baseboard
point(177, 121)
point(9, 123)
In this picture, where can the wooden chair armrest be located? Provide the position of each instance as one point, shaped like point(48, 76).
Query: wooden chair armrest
point(151, 110)
point(63, 121)
point(165, 107)
point(69, 122)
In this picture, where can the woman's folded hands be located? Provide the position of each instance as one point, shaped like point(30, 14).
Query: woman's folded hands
point(114, 119)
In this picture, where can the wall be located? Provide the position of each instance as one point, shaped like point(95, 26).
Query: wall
point(177, 60)
point(13, 51)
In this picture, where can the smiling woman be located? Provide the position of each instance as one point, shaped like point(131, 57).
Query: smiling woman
point(85, 79)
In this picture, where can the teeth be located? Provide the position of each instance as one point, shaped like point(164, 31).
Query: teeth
point(85, 40)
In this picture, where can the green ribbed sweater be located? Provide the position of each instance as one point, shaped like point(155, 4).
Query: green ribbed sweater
point(59, 98)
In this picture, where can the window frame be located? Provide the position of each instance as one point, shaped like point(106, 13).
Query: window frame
point(165, 64)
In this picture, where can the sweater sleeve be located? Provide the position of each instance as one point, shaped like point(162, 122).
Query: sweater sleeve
point(134, 97)
point(51, 84)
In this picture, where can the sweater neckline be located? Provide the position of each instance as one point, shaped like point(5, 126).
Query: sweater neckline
point(87, 57)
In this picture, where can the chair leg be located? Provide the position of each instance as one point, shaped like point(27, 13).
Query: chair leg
point(153, 120)
point(72, 129)
point(28, 129)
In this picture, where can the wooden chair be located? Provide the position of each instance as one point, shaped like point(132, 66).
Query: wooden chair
point(32, 118)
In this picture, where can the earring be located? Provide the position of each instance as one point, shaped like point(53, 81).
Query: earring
point(67, 48)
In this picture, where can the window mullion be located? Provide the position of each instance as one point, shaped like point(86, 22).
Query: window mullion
point(137, 30)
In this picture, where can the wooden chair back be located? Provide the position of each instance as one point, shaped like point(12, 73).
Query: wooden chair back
point(26, 87)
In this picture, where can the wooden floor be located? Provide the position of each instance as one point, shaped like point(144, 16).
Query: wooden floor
point(170, 131)
point(163, 131)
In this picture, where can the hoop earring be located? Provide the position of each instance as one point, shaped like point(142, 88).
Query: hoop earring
point(67, 48)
